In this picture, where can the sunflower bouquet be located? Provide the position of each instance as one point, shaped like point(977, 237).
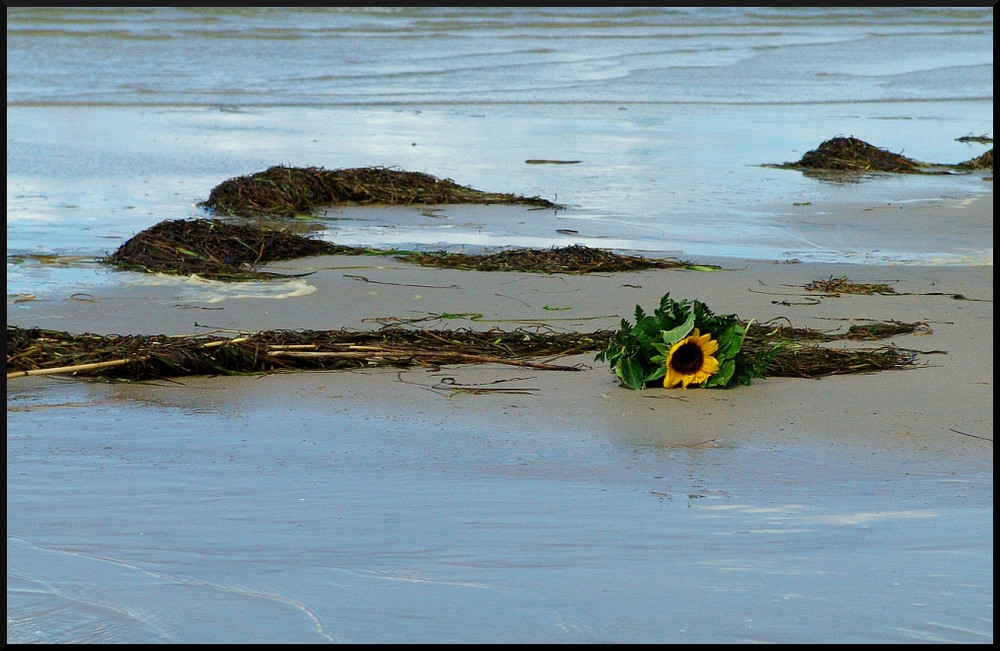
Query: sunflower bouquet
point(682, 343)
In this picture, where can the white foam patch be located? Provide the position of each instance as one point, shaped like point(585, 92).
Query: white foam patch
point(202, 290)
point(848, 519)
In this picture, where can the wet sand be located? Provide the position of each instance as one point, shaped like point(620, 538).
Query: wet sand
point(490, 503)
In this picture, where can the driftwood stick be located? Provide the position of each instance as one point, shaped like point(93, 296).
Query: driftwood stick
point(61, 370)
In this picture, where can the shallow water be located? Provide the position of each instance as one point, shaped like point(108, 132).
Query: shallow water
point(288, 515)
point(120, 119)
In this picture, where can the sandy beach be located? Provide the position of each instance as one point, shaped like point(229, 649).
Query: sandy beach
point(366, 292)
point(496, 503)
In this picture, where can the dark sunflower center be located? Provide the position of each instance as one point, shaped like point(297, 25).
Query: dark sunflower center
point(687, 359)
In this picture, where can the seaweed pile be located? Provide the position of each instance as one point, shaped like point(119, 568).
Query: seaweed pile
point(819, 361)
point(34, 351)
point(46, 352)
point(850, 154)
point(575, 259)
point(232, 252)
point(984, 139)
point(842, 285)
point(867, 332)
point(216, 250)
point(982, 162)
point(282, 191)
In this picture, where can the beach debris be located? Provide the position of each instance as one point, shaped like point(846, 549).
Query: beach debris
point(219, 250)
point(548, 161)
point(983, 139)
point(216, 250)
point(801, 361)
point(842, 285)
point(788, 351)
point(685, 343)
point(51, 259)
point(985, 161)
point(281, 191)
point(46, 352)
point(834, 287)
point(855, 332)
point(847, 157)
point(850, 154)
point(574, 259)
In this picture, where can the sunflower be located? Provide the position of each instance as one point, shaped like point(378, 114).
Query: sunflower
point(690, 360)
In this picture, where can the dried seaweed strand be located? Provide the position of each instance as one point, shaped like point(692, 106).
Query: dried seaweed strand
point(575, 259)
point(45, 352)
point(842, 285)
point(234, 252)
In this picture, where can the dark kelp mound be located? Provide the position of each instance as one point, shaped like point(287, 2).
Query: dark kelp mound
point(213, 249)
point(288, 191)
point(984, 162)
point(574, 259)
point(222, 251)
point(33, 351)
point(842, 154)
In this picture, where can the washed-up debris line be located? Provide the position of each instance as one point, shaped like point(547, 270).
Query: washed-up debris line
point(841, 285)
point(850, 154)
point(575, 259)
point(854, 155)
point(281, 191)
point(855, 332)
point(35, 351)
point(232, 252)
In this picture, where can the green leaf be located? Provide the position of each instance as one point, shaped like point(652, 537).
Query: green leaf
point(190, 253)
point(730, 342)
point(672, 336)
point(723, 375)
point(658, 372)
point(631, 374)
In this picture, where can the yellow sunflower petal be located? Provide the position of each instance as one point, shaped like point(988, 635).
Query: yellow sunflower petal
point(709, 346)
point(690, 360)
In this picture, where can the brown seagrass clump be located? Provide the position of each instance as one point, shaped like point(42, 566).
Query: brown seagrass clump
point(215, 249)
point(234, 252)
point(842, 285)
point(794, 352)
point(983, 162)
point(282, 191)
point(849, 158)
point(34, 351)
point(575, 259)
point(849, 154)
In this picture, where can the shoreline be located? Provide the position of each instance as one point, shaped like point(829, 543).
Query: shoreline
point(341, 293)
